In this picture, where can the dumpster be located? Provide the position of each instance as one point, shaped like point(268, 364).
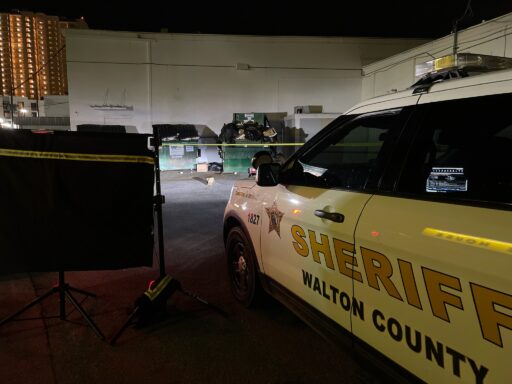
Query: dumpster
point(179, 150)
point(178, 155)
point(247, 134)
point(238, 158)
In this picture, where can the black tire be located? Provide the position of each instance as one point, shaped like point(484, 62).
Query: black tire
point(242, 268)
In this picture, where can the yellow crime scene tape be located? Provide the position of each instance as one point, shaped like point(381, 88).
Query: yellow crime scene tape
point(76, 156)
point(232, 145)
point(145, 159)
point(266, 145)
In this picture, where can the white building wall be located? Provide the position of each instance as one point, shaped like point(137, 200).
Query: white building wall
point(54, 106)
point(177, 78)
point(397, 72)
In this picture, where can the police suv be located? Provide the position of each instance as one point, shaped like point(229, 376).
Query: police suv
point(392, 228)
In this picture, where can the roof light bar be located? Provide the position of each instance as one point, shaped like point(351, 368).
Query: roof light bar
point(469, 61)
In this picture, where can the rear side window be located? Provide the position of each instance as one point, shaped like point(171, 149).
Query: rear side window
point(463, 150)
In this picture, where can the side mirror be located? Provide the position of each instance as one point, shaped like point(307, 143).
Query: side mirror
point(267, 174)
point(261, 157)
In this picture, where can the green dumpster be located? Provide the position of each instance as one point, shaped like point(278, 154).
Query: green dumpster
point(178, 155)
point(237, 158)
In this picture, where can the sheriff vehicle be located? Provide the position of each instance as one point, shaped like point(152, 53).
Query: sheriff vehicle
point(392, 228)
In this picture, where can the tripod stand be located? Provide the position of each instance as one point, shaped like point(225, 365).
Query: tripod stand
point(64, 290)
point(160, 290)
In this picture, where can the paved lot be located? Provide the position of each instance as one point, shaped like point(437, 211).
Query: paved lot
point(194, 344)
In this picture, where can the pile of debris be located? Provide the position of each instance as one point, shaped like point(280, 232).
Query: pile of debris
point(177, 132)
point(249, 130)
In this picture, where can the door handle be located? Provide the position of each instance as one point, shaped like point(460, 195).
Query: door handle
point(333, 216)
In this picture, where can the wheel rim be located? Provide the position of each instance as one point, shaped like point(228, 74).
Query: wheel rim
point(240, 269)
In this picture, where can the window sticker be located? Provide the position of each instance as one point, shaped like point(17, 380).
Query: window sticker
point(445, 179)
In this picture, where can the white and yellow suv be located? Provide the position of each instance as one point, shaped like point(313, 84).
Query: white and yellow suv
point(393, 227)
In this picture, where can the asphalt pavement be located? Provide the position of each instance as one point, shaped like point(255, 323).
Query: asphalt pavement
point(193, 343)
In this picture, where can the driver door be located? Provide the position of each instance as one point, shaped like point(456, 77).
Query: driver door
point(309, 218)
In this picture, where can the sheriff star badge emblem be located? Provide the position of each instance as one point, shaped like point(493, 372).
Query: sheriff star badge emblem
point(275, 216)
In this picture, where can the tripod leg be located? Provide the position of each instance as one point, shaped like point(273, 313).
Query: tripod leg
point(82, 292)
point(125, 325)
point(200, 299)
point(85, 315)
point(193, 295)
point(62, 301)
point(29, 305)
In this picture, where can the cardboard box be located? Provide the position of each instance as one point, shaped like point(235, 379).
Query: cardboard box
point(202, 167)
point(308, 109)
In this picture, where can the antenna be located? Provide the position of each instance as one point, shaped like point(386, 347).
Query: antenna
point(456, 24)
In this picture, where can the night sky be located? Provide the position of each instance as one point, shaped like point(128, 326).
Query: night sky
point(389, 18)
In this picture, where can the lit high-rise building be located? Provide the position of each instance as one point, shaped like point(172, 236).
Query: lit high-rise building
point(33, 54)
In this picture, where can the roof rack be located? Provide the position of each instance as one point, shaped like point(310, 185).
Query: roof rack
point(456, 66)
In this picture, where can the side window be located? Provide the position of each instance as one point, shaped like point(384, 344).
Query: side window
point(349, 155)
point(463, 150)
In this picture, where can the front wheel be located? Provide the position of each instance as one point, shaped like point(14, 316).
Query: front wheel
point(242, 267)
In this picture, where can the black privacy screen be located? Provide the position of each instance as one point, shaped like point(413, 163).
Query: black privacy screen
point(75, 201)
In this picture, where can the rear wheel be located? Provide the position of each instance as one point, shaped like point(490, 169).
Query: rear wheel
point(242, 267)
